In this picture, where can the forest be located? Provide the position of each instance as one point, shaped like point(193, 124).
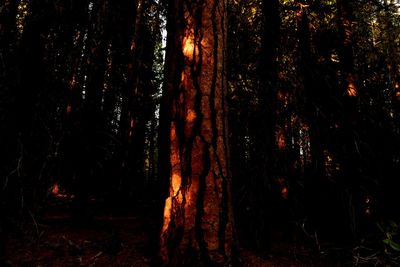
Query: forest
point(199, 133)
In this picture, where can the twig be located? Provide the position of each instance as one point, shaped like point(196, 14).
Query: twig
point(17, 169)
point(93, 259)
point(35, 223)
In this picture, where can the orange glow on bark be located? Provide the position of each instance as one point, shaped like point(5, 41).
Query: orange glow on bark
point(284, 189)
point(280, 140)
point(351, 87)
point(351, 90)
point(167, 213)
point(188, 46)
point(198, 167)
point(285, 193)
point(55, 190)
point(174, 151)
point(173, 133)
point(176, 181)
point(191, 115)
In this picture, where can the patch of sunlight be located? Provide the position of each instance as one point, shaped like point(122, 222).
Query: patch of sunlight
point(22, 13)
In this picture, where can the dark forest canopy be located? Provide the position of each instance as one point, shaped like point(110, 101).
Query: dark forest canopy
point(238, 126)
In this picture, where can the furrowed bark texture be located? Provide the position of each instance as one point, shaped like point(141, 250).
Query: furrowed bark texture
point(198, 221)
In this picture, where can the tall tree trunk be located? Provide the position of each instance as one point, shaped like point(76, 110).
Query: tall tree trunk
point(129, 93)
point(312, 94)
point(132, 125)
point(87, 133)
point(265, 149)
point(350, 157)
point(8, 134)
point(198, 221)
point(346, 48)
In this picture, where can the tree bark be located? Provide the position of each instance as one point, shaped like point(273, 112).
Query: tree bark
point(198, 221)
point(346, 48)
point(265, 156)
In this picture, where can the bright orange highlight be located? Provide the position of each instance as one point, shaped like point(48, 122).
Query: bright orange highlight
point(351, 90)
point(285, 193)
point(188, 46)
point(191, 115)
point(172, 133)
point(55, 190)
point(351, 87)
point(167, 213)
point(284, 189)
point(281, 140)
point(176, 183)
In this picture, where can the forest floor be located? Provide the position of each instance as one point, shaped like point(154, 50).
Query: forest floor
point(127, 241)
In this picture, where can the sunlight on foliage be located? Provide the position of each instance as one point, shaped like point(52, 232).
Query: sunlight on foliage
point(391, 234)
point(22, 13)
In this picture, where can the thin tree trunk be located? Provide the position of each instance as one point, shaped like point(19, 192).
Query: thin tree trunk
point(132, 125)
point(346, 48)
point(132, 73)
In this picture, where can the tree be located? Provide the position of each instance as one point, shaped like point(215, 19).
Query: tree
point(346, 47)
point(198, 222)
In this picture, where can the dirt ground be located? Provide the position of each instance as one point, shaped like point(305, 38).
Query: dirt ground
point(108, 241)
point(129, 241)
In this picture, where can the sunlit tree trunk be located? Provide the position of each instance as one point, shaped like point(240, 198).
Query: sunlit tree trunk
point(198, 222)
